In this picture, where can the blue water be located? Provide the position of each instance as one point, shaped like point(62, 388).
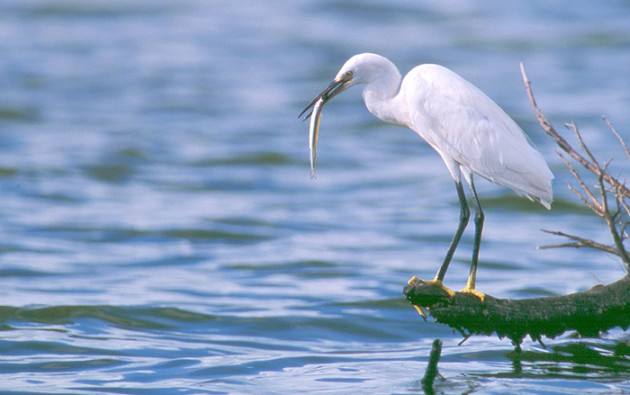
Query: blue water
point(160, 233)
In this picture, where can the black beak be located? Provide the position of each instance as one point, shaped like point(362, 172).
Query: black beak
point(332, 90)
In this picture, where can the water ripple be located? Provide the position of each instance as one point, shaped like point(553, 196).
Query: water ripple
point(160, 233)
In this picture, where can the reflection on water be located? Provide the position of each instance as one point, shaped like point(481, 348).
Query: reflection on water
point(607, 361)
point(160, 231)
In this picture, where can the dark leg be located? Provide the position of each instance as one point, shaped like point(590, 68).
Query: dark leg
point(472, 276)
point(464, 215)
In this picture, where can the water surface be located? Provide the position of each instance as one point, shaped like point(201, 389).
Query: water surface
point(160, 233)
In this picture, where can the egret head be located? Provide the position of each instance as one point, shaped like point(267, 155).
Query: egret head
point(365, 68)
point(359, 69)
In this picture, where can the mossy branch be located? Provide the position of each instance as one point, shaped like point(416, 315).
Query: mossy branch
point(588, 313)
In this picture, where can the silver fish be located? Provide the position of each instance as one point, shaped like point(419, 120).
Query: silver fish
point(313, 133)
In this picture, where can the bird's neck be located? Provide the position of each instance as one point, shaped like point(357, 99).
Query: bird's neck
point(383, 100)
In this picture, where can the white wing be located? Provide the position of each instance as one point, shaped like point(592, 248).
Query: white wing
point(467, 127)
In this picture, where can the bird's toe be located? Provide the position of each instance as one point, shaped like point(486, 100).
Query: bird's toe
point(438, 283)
point(474, 292)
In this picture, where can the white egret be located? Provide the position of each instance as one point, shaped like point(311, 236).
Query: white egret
point(469, 131)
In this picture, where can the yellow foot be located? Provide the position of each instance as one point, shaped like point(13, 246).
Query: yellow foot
point(438, 283)
point(420, 312)
point(415, 281)
point(480, 295)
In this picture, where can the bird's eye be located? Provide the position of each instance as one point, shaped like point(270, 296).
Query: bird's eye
point(347, 76)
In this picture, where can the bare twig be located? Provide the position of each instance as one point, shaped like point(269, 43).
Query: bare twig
point(592, 202)
point(579, 242)
point(617, 135)
point(621, 201)
point(610, 221)
point(573, 127)
point(562, 143)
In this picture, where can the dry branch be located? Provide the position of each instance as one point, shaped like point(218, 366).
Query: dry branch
point(618, 136)
point(588, 313)
point(607, 185)
point(563, 143)
point(578, 242)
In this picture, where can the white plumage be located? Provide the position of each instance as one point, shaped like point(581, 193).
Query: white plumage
point(470, 132)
